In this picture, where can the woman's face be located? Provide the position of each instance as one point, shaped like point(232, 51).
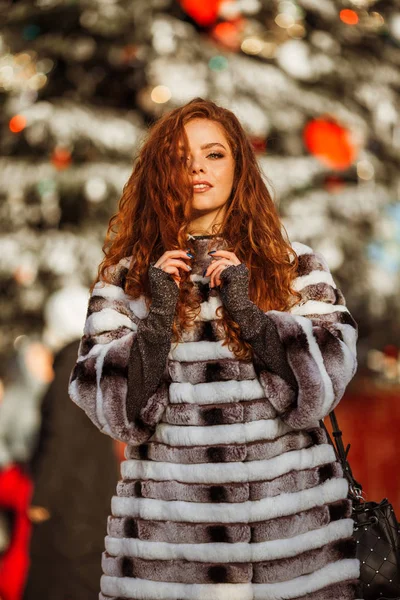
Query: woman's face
point(210, 160)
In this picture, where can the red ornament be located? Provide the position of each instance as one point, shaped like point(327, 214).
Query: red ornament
point(334, 184)
point(330, 143)
point(61, 158)
point(15, 496)
point(228, 33)
point(205, 13)
point(348, 16)
point(259, 145)
point(17, 123)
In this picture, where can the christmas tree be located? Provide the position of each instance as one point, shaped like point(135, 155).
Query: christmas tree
point(315, 84)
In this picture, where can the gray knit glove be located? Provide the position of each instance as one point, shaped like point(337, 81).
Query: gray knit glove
point(164, 291)
point(234, 290)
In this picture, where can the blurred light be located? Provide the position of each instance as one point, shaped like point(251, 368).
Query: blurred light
point(30, 32)
point(375, 360)
point(129, 53)
point(17, 123)
point(218, 63)
point(348, 16)
point(45, 65)
point(365, 169)
point(360, 3)
point(204, 13)
point(269, 50)
point(39, 362)
point(38, 514)
point(252, 45)
point(161, 94)
point(37, 81)
point(287, 7)
point(6, 75)
point(228, 33)
point(61, 158)
point(296, 31)
point(330, 142)
point(378, 18)
point(284, 20)
point(46, 186)
point(24, 275)
point(88, 18)
point(95, 189)
point(22, 59)
point(19, 340)
point(394, 25)
point(82, 48)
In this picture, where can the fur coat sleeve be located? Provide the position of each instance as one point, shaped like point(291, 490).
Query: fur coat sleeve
point(316, 339)
point(113, 340)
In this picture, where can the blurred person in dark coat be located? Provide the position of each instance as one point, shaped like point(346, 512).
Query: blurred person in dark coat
point(75, 472)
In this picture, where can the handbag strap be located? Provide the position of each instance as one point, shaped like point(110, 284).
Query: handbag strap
point(341, 454)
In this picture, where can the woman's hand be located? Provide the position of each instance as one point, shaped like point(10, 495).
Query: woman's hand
point(171, 261)
point(223, 259)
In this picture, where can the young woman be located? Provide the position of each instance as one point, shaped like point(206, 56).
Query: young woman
point(213, 347)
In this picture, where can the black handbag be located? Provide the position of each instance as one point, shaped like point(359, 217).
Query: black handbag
point(376, 531)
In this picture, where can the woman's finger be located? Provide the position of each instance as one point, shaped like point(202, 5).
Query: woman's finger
point(217, 262)
point(216, 279)
point(174, 262)
point(225, 254)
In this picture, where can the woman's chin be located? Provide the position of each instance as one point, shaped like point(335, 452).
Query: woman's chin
point(202, 203)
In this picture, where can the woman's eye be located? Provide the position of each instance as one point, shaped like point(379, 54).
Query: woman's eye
point(216, 154)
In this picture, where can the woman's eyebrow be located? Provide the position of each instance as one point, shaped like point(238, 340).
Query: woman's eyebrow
point(204, 146)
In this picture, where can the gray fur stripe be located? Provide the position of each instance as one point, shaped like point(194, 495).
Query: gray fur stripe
point(249, 511)
point(219, 414)
point(307, 562)
point(176, 571)
point(228, 553)
point(232, 533)
point(218, 370)
point(294, 440)
point(229, 472)
point(272, 571)
point(345, 570)
point(293, 481)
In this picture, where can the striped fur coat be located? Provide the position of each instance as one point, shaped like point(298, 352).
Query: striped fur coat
point(229, 490)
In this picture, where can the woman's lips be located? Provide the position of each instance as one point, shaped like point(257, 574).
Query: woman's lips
point(201, 190)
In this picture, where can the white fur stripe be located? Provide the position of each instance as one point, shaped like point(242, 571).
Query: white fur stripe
point(99, 393)
point(108, 290)
point(316, 353)
point(207, 309)
point(143, 589)
point(312, 278)
point(114, 292)
point(107, 319)
point(215, 392)
point(241, 433)
point(195, 351)
point(228, 553)
point(256, 470)
point(243, 512)
point(316, 307)
point(105, 428)
point(301, 248)
point(336, 572)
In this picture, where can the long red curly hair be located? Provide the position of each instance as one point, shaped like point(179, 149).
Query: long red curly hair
point(154, 214)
